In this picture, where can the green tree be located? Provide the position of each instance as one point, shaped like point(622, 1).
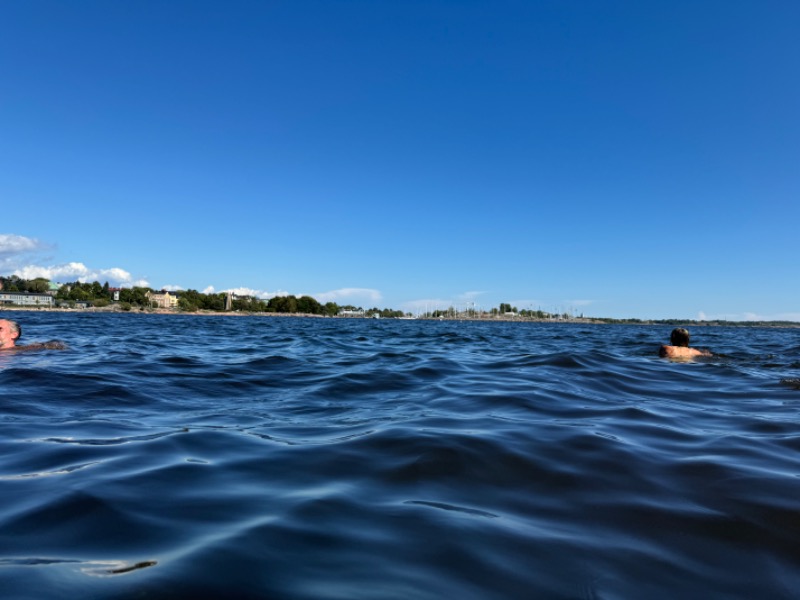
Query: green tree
point(185, 304)
point(136, 296)
point(214, 301)
point(40, 285)
point(190, 300)
point(309, 306)
point(282, 304)
point(79, 294)
point(11, 285)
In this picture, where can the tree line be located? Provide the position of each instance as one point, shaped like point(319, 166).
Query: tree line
point(100, 295)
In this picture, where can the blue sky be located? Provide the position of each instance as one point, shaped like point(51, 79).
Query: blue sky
point(624, 159)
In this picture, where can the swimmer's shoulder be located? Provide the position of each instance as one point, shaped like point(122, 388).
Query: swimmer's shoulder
point(681, 352)
point(670, 352)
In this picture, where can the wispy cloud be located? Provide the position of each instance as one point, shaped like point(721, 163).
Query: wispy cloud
point(469, 296)
point(748, 316)
point(578, 302)
point(11, 244)
point(787, 316)
point(350, 295)
point(17, 250)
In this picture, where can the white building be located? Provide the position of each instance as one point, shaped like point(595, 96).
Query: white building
point(26, 299)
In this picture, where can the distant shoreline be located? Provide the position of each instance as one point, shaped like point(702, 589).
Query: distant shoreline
point(485, 318)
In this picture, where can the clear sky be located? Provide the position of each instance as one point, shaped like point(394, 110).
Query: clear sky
point(615, 158)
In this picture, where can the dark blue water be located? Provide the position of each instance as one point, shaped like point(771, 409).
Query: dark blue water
point(256, 457)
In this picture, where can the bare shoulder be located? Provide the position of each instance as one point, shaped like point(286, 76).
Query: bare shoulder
point(681, 352)
point(673, 352)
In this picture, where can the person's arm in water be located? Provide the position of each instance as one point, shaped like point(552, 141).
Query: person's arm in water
point(51, 345)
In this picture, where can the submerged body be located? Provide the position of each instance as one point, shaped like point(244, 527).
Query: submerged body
point(51, 345)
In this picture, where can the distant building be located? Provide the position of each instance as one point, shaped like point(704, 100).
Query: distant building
point(163, 299)
point(26, 299)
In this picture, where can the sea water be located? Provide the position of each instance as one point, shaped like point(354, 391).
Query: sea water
point(263, 457)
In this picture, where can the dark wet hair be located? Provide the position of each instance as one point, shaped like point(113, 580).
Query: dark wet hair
point(679, 337)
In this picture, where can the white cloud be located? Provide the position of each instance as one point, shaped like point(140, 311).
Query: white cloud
point(18, 244)
point(350, 295)
point(246, 291)
point(261, 294)
point(15, 259)
point(16, 250)
point(172, 288)
point(73, 271)
point(77, 271)
point(117, 274)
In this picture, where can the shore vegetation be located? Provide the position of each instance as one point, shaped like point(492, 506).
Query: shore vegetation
point(99, 296)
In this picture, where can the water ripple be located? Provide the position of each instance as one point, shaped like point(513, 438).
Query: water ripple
point(329, 459)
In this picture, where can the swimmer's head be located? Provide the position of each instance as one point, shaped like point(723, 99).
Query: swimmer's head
point(10, 331)
point(679, 337)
